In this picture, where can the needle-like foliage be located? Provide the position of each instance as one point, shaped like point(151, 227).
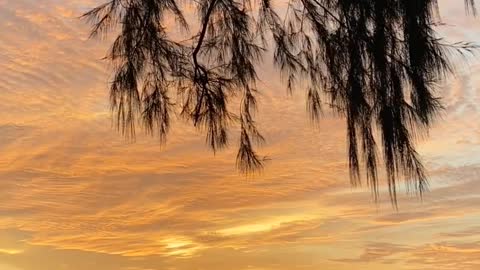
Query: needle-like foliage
point(374, 62)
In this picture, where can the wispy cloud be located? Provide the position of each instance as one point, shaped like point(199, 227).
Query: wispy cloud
point(75, 195)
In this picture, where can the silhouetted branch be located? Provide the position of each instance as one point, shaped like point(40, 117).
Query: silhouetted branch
point(375, 62)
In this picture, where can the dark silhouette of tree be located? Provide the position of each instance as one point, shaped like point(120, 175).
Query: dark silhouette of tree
point(374, 62)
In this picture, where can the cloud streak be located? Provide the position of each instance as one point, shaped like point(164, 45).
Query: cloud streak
point(74, 191)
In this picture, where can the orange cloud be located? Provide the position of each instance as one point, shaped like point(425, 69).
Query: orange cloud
point(75, 195)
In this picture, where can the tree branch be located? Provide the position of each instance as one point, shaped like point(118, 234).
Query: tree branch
point(203, 32)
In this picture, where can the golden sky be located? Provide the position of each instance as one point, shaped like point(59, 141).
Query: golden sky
point(74, 195)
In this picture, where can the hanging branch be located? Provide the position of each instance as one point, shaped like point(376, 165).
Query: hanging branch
point(375, 62)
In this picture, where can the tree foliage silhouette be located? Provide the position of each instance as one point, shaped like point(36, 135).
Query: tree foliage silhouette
point(374, 62)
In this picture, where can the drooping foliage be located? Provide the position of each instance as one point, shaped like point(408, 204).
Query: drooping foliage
point(374, 62)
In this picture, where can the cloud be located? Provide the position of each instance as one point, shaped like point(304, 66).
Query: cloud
point(470, 232)
point(75, 195)
point(448, 255)
point(11, 251)
point(377, 252)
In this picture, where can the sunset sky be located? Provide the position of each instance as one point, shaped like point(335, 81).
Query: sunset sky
point(75, 195)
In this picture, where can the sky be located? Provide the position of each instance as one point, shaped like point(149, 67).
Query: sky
point(75, 195)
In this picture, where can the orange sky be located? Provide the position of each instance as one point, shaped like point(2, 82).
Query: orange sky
point(74, 195)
